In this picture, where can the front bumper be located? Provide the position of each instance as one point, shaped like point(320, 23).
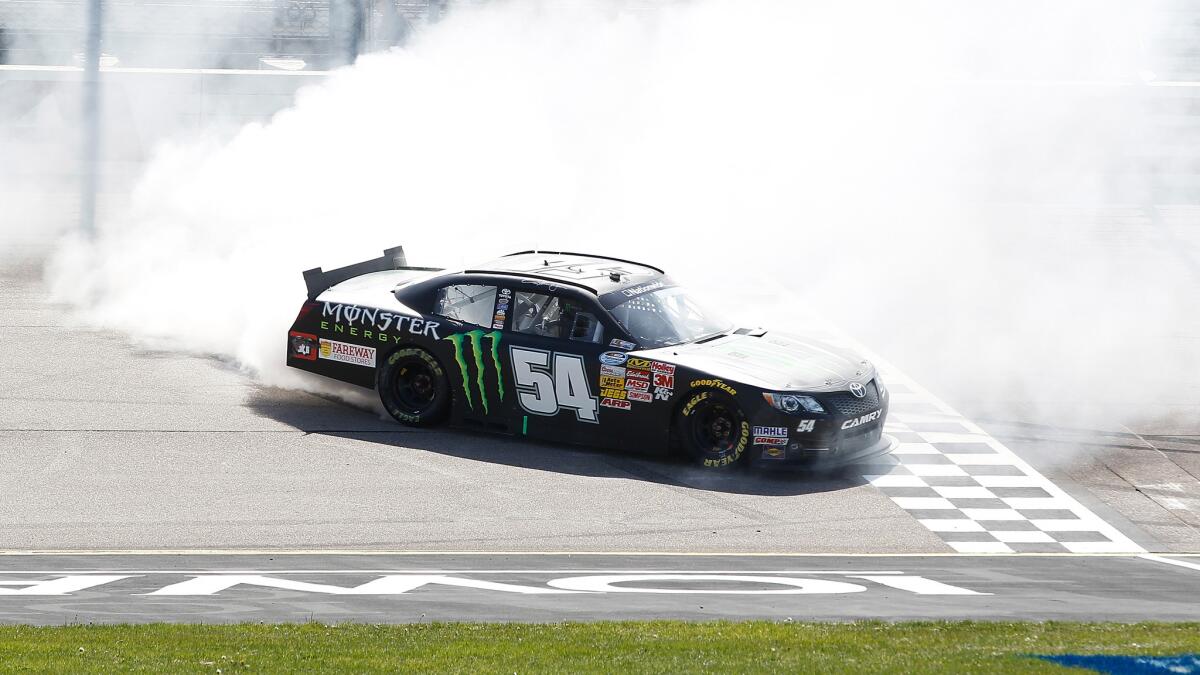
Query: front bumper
point(818, 459)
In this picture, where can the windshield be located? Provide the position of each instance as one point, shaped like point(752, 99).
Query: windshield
point(668, 316)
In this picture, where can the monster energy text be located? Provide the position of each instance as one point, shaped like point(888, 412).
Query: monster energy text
point(475, 339)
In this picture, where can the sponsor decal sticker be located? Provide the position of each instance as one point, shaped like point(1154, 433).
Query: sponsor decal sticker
point(770, 440)
point(663, 393)
point(716, 384)
point(661, 380)
point(613, 358)
point(613, 393)
point(622, 344)
point(474, 340)
point(640, 364)
point(770, 431)
point(613, 371)
point(374, 323)
point(664, 368)
point(774, 453)
point(644, 288)
point(859, 421)
point(637, 385)
point(639, 396)
point(615, 403)
point(303, 345)
point(634, 374)
point(610, 381)
point(347, 353)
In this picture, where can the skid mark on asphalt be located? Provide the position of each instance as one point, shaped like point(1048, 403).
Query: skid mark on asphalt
point(972, 491)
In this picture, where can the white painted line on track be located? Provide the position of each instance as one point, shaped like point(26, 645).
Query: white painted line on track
point(1171, 561)
point(394, 570)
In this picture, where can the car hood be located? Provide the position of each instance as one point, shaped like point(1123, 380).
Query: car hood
point(771, 361)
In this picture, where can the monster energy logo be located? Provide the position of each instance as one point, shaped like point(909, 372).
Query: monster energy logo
point(475, 339)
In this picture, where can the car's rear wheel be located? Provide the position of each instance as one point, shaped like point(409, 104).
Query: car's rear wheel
point(712, 428)
point(413, 387)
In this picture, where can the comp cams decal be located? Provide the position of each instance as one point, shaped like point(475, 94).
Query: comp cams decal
point(374, 324)
point(548, 382)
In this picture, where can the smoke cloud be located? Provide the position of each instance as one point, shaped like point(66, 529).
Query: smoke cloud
point(924, 174)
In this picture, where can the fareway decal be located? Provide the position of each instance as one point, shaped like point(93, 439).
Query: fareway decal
point(345, 352)
point(749, 583)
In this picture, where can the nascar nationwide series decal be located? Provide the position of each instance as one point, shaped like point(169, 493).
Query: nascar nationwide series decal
point(475, 340)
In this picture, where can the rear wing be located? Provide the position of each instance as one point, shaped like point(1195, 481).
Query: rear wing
point(392, 259)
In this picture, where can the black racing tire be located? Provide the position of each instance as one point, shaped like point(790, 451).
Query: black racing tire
point(413, 387)
point(712, 429)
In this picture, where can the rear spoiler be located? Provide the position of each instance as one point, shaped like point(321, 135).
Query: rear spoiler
point(392, 259)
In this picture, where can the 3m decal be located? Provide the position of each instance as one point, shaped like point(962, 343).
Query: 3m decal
point(356, 320)
point(859, 421)
point(661, 380)
point(641, 364)
point(475, 340)
point(613, 358)
point(806, 426)
point(548, 382)
point(639, 396)
point(302, 345)
point(345, 352)
point(716, 384)
point(622, 344)
point(612, 371)
point(615, 403)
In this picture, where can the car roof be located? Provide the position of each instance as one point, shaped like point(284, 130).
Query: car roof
point(596, 273)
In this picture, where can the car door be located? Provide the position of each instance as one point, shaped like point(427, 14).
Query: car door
point(557, 339)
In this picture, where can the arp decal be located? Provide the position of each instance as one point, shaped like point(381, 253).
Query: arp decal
point(548, 382)
point(615, 403)
point(474, 339)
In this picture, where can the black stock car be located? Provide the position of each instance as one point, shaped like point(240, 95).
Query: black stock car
point(585, 349)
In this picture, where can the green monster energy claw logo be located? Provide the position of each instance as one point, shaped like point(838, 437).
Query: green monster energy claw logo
point(475, 338)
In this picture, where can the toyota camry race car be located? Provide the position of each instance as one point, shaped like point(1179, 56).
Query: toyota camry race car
point(585, 349)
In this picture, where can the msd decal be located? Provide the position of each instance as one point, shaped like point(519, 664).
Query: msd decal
point(345, 352)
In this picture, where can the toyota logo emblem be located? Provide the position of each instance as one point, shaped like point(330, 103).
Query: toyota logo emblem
point(858, 390)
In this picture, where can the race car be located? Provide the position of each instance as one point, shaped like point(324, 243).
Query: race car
point(590, 350)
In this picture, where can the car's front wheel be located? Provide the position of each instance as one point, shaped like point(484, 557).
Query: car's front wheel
point(712, 428)
point(413, 387)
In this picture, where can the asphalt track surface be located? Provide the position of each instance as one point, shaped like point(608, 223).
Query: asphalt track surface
point(113, 446)
point(387, 588)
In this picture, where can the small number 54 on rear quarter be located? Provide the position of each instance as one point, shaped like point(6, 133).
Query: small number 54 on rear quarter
point(589, 350)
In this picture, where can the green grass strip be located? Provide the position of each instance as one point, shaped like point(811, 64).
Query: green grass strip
point(633, 647)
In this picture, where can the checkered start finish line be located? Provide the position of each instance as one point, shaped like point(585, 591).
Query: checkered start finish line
point(972, 491)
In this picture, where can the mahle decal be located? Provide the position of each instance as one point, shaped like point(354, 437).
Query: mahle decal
point(475, 339)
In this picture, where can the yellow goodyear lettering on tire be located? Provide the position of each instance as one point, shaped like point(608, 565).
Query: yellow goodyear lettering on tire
point(687, 409)
point(716, 384)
